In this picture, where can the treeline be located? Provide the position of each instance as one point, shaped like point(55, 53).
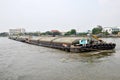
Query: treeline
point(4, 34)
point(53, 33)
point(71, 32)
point(43, 33)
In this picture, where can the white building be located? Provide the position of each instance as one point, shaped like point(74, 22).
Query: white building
point(16, 31)
point(110, 29)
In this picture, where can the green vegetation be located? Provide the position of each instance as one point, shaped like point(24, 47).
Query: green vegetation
point(56, 33)
point(115, 32)
point(82, 34)
point(105, 33)
point(33, 33)
point(96, 30)
point(4, 34)
point(48, 33)
point(71, 32)
point(51, 33)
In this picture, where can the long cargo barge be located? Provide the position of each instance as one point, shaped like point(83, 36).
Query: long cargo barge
point(70, 44)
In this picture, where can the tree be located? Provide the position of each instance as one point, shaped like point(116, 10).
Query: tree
point(32, 33)
point(106, 33)
point(99, 26)
point(115, 32)
point(4, 34)
point(73, 32)
point(67, 33)
point(56, 33)
point(82, 34)
point(43, 33)
point(48, 33)
point(96, 30)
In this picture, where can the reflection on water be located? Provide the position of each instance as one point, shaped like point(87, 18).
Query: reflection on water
point(20, 61)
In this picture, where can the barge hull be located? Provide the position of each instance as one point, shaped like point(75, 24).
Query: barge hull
point(69, 47)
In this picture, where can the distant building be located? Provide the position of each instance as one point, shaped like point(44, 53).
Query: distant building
point(110, 29)
point(54, 31)
point(118, 33)
point(16, 31)
point(107, 29)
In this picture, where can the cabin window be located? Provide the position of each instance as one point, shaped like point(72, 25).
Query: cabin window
point(83, 41)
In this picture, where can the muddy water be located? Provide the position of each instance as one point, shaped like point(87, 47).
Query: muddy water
point(20, 61)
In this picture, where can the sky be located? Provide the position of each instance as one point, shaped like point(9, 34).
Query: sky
point(62, 15)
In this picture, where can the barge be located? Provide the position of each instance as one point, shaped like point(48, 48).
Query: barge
point(70, 44)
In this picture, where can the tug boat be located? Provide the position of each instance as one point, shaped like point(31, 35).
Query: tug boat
point(70, 44)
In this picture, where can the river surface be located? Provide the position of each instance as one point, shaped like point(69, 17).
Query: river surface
point(21, 61)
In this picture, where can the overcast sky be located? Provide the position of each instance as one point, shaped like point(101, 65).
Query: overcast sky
point(44, 15)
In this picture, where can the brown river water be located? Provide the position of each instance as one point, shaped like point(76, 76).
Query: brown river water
point(21, 61)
